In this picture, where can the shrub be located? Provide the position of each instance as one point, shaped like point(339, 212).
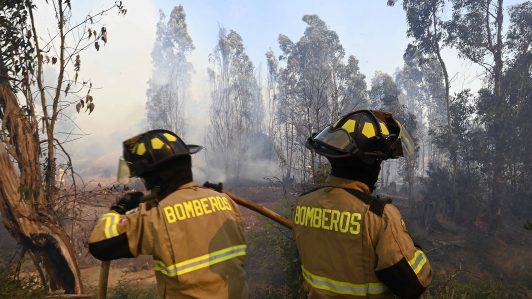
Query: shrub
point(24, 287)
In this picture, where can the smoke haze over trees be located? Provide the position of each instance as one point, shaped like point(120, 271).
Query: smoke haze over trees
point(236, 111)
point(470, 176)
point(462, 141)
point(170, 81)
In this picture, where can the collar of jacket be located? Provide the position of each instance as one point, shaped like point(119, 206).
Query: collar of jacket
point(346, 183)
point(188, 185)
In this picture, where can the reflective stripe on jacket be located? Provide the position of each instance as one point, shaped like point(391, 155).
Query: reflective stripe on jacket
point(348, 250)
point(196, 239)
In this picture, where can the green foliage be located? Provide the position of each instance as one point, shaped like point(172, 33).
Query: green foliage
point(315, 85)
point(464, 290)
point(125, 290)
point(528, 226)
point(424, 24)
point(25, 287)
point(15, 45)
point(25, 192)
point(274, 259)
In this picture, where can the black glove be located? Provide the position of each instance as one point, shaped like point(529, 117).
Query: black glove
point(218, 187)
point(127, 202)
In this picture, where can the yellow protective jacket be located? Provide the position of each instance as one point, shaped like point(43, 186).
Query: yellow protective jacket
point(196, 239)
point(353, 245)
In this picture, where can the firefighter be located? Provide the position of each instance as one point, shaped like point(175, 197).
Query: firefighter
point(352, 244)
point(194, 234)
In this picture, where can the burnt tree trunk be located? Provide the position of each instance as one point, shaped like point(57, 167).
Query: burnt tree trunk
point(26, 214)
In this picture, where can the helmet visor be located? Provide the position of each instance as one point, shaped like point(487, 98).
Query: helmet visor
point(123, 175)
point(337, 139)
point(407, 143)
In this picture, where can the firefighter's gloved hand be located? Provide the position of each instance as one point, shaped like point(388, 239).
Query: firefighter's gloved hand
point(127, 202)
point(218, 187)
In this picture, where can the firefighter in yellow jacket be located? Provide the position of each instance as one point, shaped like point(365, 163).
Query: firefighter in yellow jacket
point(194, 234)
point(352, 244)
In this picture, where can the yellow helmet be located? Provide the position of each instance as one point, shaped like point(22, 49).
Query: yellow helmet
point(147, 151)
point(369, 134)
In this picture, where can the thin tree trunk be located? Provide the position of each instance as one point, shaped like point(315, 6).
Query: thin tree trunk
point(498, 174)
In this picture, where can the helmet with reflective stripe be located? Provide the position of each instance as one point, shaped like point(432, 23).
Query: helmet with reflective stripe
point(369, 134)
point(147, 151)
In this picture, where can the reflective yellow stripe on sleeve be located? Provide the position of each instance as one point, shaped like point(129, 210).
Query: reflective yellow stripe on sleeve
point(418, 261)
point(111, 224)
point(341, 287)
point(200, 261)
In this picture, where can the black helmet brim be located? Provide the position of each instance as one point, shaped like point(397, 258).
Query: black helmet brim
point(193, 149)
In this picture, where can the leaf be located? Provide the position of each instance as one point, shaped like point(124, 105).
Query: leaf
point(82, 103)
point(104, 35)
point(97, 46)
point(67, 88)
point(54, 60)
point(77, 64)
point(94, 33)
point(76, 78)
point(88, 98)
point(78, 107)
point(90, 33)
point(91, 108)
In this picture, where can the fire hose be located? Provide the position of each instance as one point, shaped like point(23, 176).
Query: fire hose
point(105, 266)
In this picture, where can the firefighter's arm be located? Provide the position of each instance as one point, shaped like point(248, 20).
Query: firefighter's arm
point(404, 268)
point(108, 239)
point(122, 236)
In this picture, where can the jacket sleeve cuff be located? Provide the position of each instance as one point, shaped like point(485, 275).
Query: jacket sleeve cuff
point(401, 280)
point(111, 249)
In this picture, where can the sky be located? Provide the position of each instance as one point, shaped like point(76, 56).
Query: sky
point(370, 30)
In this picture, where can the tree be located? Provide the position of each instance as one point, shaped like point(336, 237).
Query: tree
point(517, 83)
point(423, 87)
point(170, 80)
point(427, 28)
point(236, 110)
point(29, 114)
point(385, 95)
point(476, 31)
point(315, 86)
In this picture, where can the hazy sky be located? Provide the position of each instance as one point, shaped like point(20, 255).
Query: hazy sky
point(370, 30)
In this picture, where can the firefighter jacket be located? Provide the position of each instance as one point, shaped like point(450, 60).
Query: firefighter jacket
point(353, 245)
point(196, 239)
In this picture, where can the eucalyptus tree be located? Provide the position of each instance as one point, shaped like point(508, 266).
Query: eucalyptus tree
point(236, 111)
point(169, 85)
point(315, 86)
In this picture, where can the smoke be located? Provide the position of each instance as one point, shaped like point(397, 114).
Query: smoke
point(259, 162)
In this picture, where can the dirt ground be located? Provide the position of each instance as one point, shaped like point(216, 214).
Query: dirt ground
point(499, 261)
point(137, 271)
